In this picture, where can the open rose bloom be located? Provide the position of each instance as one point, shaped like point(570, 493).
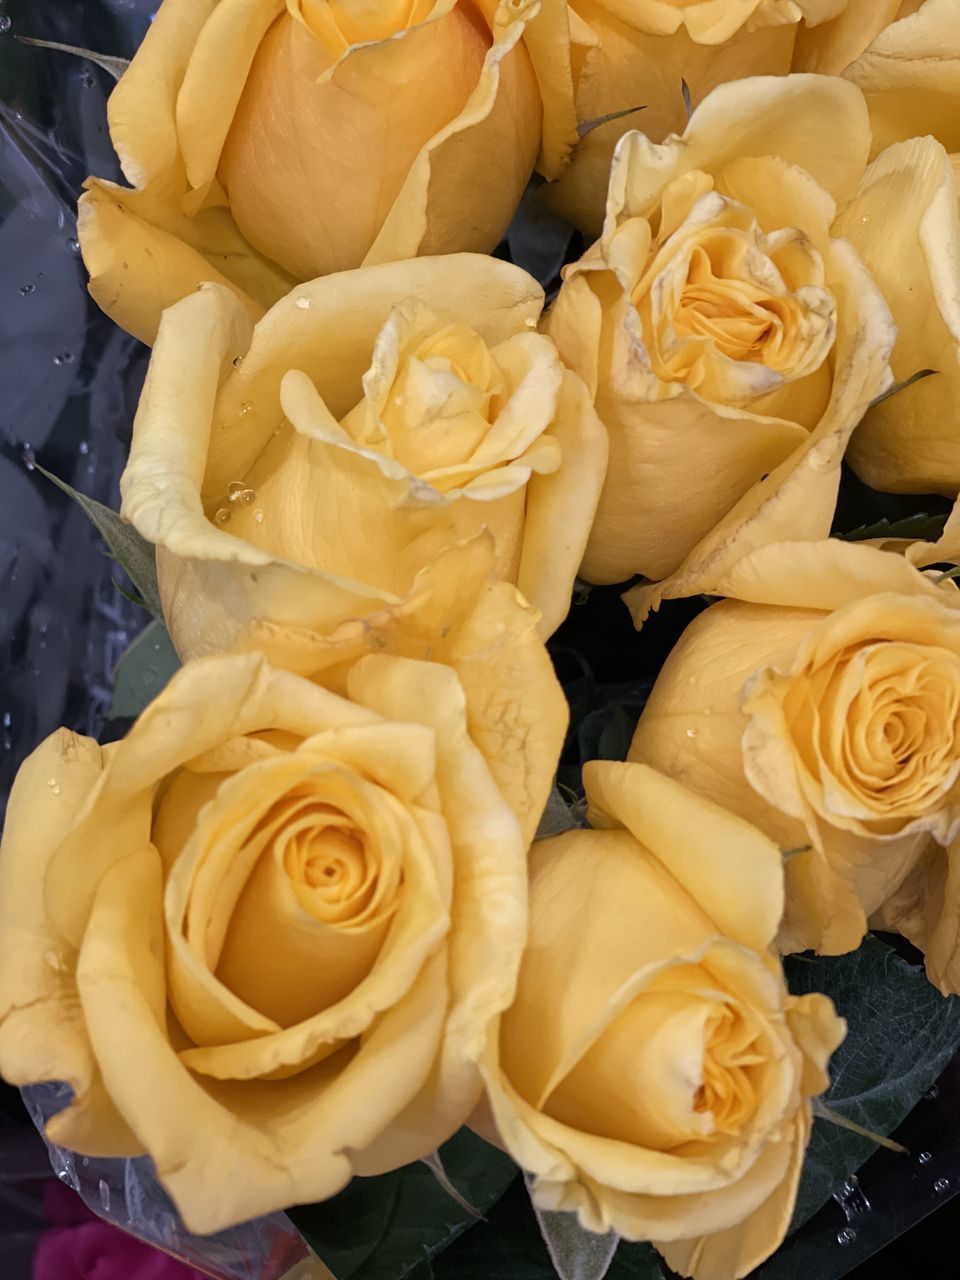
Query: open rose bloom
point(730, 341)
point(822, 702)
point(361, 915)
point(269, 926)
point(304, 470)
point(663, 1089)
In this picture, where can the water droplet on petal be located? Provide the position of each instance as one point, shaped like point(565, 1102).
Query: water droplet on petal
point(691, 733)
point(941, 1185)
point(932, 1093)
point(223, 515)
point(5, 23)
point(84, 447)
point(54, 786)
point(925, 1157)
point(530, 322)
point(73, 244)
point(104, 1196)
point(846, 1236)
point(248, 496)
point(234, 490)
point(245, 409)
point(304, 304)
point(27, 289)
point(28, 457)
point(64, 357)
point(258, 516)
point(237, 361)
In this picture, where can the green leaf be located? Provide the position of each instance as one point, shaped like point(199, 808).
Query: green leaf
point(385, 1228)
point(920, 527)
point(557, 817)
point(902, 386)
point(137, 556)
point(115, 66)
point(510, 1246)
point(901, 1034)
point(142, 671)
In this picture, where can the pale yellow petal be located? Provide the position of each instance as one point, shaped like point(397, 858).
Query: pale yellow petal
point(685, 832)
point(589, 888)
point(328, 329)
point(262, 1149)
point(501, 117)
point(142, 108)
point(42, 1034)
point(136, 269)
point(631, 68)
point(561, 507)
point(214, 78)
point(488, 922)
point(829, 49)
point(798, 498)
point(910, 75)
point(905, 225)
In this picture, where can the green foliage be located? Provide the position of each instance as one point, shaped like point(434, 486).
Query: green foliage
point(142, 671)
point(901, 1034)
point(920, 527)
point(137, 556)
point(384, 1228)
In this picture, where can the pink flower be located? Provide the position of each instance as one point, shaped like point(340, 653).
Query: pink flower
point(81, 1247)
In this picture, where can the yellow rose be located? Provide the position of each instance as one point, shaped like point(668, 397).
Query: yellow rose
point(303, 470)
point(263, 936)
point(904, 223)
point(653, 1074)
point(638, 53)
point(271, 141)
point(832, 47)
point(730, 341)
point(821, 701)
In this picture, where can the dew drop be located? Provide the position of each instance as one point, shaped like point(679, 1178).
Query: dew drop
point(245, 409)
point(691, 733)
point(846, 1236)
point(304, 304)
point(6, 736)
point(87, 79)
point(54, 786)
point(27, 289)
point(237, 361)
point(83, 448)
point(64, 357)
point(258, 516)
point(5, 23)
point(941, 1185)
point(104, 1191)
point(223, 515)
point(248, 496)
point(530, 322)
point(932, 1093)
point(73, 244)
point(28, 457)
point(234, 490)
point(925, 1157)
point(85, 1162)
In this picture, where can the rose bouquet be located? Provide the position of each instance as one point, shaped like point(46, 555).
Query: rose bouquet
point(542, 487)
